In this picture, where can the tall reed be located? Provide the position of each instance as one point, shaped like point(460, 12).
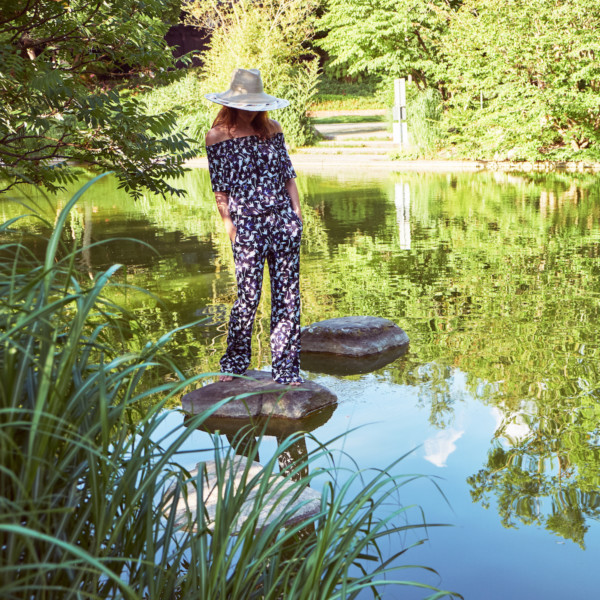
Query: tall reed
point(90, 494)
point(424, 115)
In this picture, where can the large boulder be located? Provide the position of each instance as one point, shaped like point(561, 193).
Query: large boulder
point(280, 428)
point(257, 395)
point(353, 336)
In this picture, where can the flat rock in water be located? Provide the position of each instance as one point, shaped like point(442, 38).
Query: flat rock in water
point(353, 336)
point(260, 397)
point(275, 504)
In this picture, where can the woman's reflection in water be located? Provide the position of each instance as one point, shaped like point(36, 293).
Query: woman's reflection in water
point(246, 444)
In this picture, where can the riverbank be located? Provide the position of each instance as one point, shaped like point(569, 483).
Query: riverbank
point(368, 146)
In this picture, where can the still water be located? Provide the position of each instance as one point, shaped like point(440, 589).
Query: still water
point(494, 277)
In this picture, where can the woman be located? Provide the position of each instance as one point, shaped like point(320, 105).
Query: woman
point(253, 181)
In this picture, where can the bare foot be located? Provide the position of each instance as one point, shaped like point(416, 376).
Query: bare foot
point(225, 378)
point(295, 383)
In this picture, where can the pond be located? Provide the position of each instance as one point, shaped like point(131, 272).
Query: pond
point(496, 280)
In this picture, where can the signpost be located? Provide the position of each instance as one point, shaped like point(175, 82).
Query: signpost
point(400, 130)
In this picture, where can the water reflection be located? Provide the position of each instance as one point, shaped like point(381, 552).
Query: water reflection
point(245, 435)
point(440, 446)
point(332, 364)
point(402, 202)
point(495, 277)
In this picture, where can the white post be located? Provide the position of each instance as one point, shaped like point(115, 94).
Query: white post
point(399, 127)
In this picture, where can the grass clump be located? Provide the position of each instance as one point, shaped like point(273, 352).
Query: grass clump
point(94, 489)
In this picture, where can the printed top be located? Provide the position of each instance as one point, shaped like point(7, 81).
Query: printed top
point(252, 171)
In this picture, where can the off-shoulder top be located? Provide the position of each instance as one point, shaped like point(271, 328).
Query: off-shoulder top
point(252, 171)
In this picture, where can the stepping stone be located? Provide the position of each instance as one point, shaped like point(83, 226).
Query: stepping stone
point(353, 336)
point(261, 397)
point(307, 504)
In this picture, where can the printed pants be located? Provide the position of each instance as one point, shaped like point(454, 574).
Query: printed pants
point(274, 236)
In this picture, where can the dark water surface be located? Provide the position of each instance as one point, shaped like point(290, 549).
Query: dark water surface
point(495, 278)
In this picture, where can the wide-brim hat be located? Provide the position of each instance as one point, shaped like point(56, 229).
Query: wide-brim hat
point(246, 93)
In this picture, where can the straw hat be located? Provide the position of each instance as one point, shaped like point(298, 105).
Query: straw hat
point(246, 93)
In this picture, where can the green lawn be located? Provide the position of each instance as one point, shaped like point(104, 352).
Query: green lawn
point(349, 119)
point(342, 95)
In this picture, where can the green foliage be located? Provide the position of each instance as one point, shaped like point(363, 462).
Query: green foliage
point(425, 109)
point(91, 481)
point(61, 67)
point(335, 94)
point(525, 78)
point(270, 36)
point(300, 90)
point(386, 38)
point(345, 102)
point(520, 80)
point(185, 97)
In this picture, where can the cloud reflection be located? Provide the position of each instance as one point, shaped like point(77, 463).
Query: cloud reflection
point(439, 447)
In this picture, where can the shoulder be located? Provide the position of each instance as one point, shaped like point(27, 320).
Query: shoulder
point(275, 126)
point(216, 135)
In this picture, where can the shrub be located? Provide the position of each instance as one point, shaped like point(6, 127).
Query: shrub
point(424, 112)
point(185, 97)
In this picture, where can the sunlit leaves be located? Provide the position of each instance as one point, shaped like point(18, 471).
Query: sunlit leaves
point(524, 77)
point(388, 38)
point(62, 67)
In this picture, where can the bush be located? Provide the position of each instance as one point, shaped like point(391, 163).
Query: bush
point(424, 112)
point(89, 493)
point(524, 79)
point(62, 64)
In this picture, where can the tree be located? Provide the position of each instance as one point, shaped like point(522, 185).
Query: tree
point(390, 38)
point(62, 71)
point(525, 76)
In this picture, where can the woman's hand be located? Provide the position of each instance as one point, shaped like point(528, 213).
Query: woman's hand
point(292, 190)
point(223, 208)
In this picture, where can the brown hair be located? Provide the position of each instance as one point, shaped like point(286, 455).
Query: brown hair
point(227, 117)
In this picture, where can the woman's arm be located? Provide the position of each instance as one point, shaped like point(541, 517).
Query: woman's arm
point(292, 189)
point(213, 136)
point(223, 207)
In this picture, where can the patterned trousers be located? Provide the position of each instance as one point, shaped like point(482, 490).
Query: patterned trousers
point(274, 237)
